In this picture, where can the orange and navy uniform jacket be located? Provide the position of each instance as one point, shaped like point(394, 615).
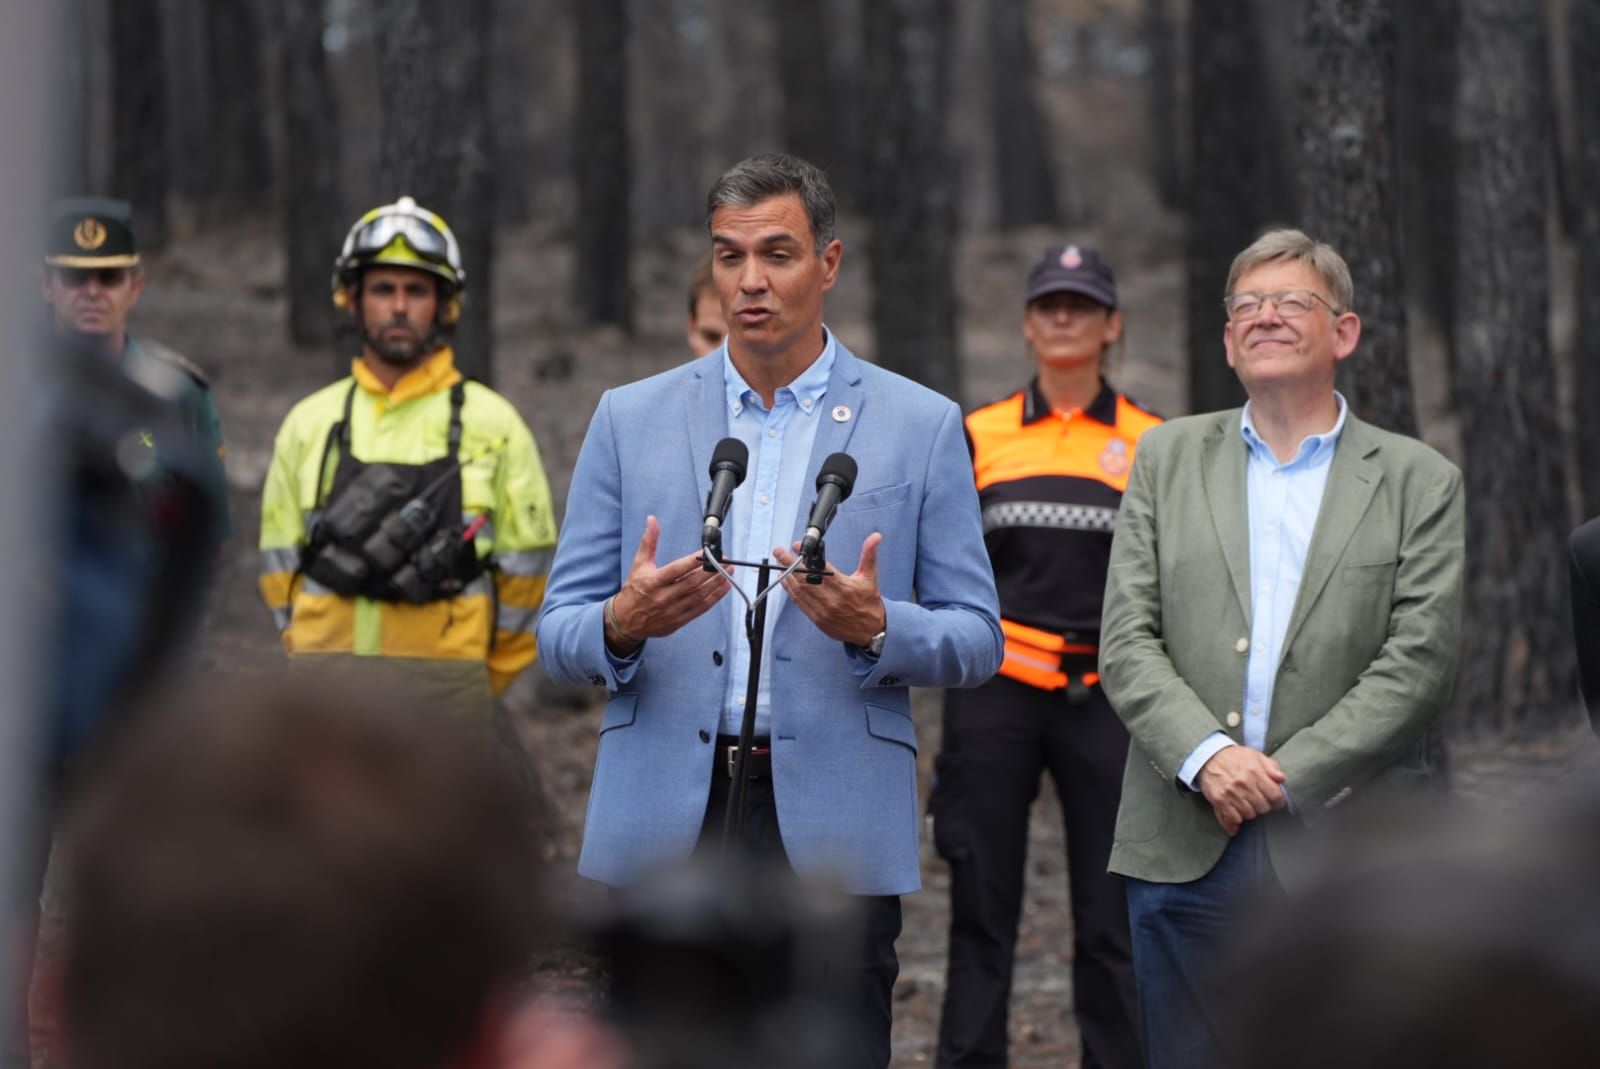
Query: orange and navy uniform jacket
point(1050, 484)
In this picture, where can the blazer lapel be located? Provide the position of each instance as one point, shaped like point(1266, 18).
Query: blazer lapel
point(706, 416)
point(1352, 481)
point(1223, 472)
point(841, 411)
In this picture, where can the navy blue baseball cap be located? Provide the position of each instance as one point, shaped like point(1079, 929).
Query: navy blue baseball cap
point(1073, 269)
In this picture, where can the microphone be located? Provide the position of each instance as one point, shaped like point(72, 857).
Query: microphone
point(834, 483)
point(728, 462)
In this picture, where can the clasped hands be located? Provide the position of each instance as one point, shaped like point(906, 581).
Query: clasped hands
point(656, 601)
point(1241, 784)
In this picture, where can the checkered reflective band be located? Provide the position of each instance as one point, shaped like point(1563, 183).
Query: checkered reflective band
point(1049, 514)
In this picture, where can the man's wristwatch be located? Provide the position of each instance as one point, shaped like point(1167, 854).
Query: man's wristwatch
point(875, 646)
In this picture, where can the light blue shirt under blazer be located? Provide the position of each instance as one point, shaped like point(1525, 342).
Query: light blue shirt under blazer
point(1283, 502)
point(764, 506)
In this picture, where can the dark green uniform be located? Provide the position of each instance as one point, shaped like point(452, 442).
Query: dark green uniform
point(197, 416)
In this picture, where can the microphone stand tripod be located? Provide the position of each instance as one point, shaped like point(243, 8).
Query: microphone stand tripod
point(755, 628)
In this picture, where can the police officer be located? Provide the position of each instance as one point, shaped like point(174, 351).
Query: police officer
point(92, 280)
point(1051, 462)
point(406, 525)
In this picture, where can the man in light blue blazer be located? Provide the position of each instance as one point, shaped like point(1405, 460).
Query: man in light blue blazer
point(911, 602)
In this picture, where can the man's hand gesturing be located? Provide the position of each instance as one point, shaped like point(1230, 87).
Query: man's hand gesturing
point(844, 607)
point(654, 602)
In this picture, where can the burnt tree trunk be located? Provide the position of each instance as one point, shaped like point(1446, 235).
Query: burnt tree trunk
point(811, 114)
point(1025, 181)
point(1237, 179)
point(908, 188)
point(1426, 47)
point(139, 167)
point(665, 126)
point(308, 169)
point(433, 74)
point(239, 162)
point(1517, 664)
point(1583, 39)
point(743, 93)
point(1163, 102)
point(600, 139)
point(1350, 196)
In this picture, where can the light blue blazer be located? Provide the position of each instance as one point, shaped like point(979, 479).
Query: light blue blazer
point(844, 748)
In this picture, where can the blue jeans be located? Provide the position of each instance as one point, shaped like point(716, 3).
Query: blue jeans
point(1180, 932)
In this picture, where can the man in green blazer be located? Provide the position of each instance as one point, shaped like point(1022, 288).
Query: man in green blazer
point(1279, 631)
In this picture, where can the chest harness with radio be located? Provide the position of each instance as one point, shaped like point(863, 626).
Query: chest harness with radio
point(394, 532)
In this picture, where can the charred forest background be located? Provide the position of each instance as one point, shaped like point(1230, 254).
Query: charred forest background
point(1449, 148)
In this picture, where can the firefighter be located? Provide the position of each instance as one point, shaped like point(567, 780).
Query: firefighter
point(406, 522)
point(1051, 462)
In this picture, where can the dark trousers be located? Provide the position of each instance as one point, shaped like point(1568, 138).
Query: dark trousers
point(869, 977)
point(1179, 933)
point(998, 739)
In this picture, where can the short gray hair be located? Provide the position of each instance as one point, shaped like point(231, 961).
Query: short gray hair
point(773, 174)
point(1288, 244)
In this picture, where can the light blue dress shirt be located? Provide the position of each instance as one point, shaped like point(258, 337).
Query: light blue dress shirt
point(1283, 502)
point(764, 508)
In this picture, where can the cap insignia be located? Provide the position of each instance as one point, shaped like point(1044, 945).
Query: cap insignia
point(1071, 258)
point(89, 234)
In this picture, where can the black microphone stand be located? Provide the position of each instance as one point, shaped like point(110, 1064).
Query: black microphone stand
point(755, 629)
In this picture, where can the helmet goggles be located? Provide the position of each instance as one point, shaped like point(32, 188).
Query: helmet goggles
point(421, 236)
point(401, 234)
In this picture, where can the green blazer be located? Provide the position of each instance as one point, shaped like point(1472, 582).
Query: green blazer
point(1368, 659)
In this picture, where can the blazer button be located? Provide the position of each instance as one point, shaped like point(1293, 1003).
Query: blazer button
point(1242, 645)
point(705, 736)
point(716, 658)
point(1233, 719)
point(889, 681)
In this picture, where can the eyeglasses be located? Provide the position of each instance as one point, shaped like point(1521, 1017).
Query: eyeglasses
point(1291, 304)
point(77, 277)
point(423, 237)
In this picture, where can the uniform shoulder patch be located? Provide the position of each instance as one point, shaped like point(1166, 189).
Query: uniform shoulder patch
point(177, 359)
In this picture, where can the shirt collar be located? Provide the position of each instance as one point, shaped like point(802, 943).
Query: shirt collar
point(1313, 447)
point(807, 387)
point(437, 372)
point(1102, 409)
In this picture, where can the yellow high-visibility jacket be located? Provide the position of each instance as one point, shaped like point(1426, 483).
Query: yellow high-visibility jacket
point(492, 619)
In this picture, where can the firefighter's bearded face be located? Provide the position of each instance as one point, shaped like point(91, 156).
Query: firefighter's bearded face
point(398, 313)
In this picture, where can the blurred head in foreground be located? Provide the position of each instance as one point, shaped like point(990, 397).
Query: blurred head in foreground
point(282, 876)
point(1463, 944)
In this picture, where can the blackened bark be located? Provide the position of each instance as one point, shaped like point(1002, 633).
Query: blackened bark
point(909, 195)
point(1426, 47)
point(1517, 659)
point(600, 137)
point(139, 167)
point(744, 95)
point(1162, 102)
point(1025, 181)
point(666, 122)
point(1583, 40)
point(1238, 179)
point(811, 126)
point(433, 73)
point(239, 163)
point(1350, 194)
point(309, 169)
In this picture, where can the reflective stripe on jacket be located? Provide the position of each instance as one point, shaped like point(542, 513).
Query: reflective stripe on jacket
point(492, 619)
